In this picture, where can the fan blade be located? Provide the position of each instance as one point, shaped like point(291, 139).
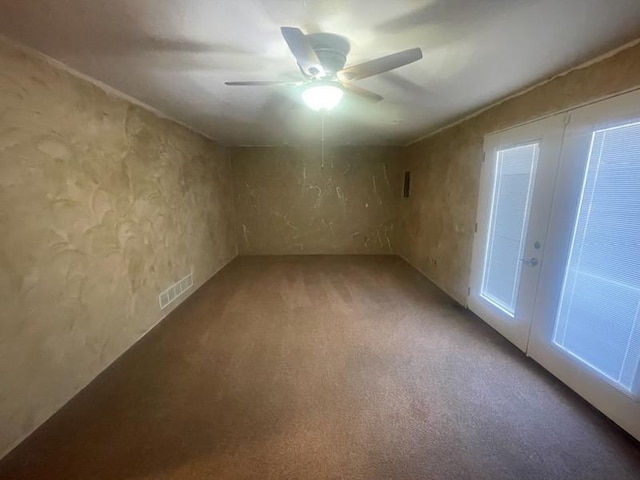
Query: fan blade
point(361, 92)
point(262, 84)
point(380, 65)
point(302, 50)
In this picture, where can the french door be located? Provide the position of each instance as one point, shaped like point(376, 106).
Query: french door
point(576, 309)
point(518, 175)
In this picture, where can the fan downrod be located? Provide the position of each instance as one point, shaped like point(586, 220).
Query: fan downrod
point(331, 49)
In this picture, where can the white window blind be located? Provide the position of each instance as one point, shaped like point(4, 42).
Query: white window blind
point(598, 317)
point(512, 189)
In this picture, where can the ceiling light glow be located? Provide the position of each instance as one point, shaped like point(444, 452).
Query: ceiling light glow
point(322, 96)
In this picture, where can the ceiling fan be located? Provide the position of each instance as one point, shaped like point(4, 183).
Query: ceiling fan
point(321, 58)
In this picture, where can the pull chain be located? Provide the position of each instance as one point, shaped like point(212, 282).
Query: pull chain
point(322, 144)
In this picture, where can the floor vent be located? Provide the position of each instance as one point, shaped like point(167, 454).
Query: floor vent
point(174, 291)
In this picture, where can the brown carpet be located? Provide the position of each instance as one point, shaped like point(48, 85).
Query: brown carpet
point(324, 368)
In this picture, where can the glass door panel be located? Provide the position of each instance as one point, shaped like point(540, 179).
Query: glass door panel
point(512, 191)
point(597, 321)
point(586, 328)
point(517, 181)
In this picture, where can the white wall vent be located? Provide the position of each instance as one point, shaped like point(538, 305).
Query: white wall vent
point(174, 291)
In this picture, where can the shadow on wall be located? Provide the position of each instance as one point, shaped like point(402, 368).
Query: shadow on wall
point(102, 206)
point(292, 200)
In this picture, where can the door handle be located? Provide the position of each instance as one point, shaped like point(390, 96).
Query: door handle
point(532, 262)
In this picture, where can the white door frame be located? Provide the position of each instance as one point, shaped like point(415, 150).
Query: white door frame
point(621, 407)
point(548, 133)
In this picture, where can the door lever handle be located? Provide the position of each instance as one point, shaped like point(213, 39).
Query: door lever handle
point(531, 262)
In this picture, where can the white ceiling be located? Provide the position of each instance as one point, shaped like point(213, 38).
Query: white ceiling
point(175, 55)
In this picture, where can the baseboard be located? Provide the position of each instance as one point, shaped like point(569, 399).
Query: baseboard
point(317, 254)
point(463, 305)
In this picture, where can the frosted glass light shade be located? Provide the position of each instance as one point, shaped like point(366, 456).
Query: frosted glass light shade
point(322, 96)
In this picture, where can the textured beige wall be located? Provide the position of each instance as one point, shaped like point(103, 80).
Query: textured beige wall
point(289, 202)
point(437, 222)
point(102, 206)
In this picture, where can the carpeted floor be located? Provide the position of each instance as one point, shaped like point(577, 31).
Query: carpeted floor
point(324, 368)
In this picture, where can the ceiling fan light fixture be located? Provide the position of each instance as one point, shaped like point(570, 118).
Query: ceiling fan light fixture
point(322, 96)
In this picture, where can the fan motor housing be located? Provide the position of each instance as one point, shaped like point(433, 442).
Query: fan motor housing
point(332, 50)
